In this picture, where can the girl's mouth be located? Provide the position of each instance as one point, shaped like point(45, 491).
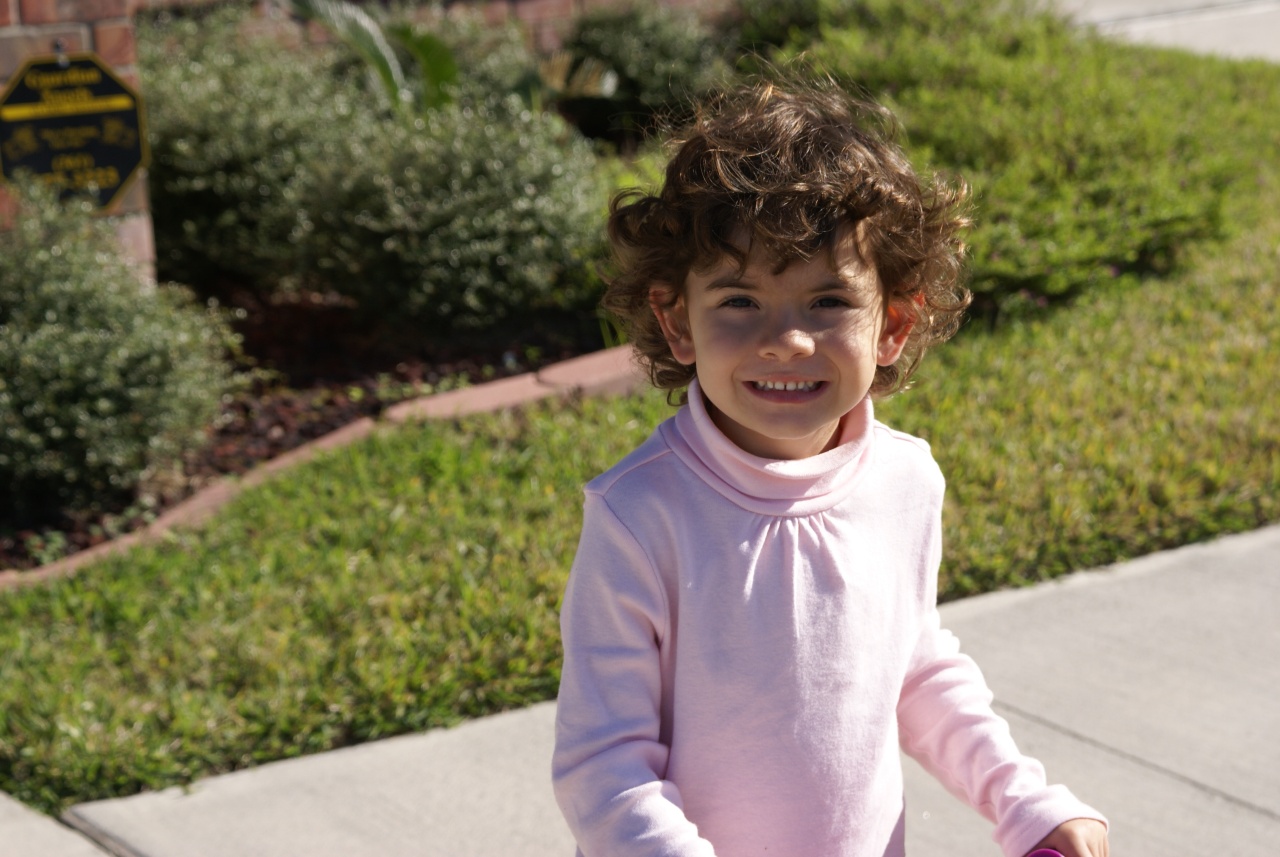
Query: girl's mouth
point(787, 386)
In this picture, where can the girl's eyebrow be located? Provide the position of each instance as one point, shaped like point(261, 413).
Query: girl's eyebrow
point(728, 281)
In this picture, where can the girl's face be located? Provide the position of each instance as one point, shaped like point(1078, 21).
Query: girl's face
point(781, 357)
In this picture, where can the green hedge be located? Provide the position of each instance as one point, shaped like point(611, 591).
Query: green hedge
point(757, 25)
point(105, 381)
point(231, 121)
point(497, 56)
point(662, 57)
point(275, 173)
point(473, 219)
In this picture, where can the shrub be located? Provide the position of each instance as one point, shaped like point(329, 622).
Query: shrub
point(230, 119)
point(758, 24)
point(105, 381)
point(274, 171)
point(1083, 158)
point(498, 59)
point(661, 56)
point(476, 215)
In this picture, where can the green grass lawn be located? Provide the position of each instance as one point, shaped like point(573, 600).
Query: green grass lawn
point(413, 580)
point(1141, 419)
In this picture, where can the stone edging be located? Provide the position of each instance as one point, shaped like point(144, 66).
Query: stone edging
point(613, 371)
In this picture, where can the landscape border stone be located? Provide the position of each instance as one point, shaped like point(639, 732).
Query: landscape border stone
point(613, 371)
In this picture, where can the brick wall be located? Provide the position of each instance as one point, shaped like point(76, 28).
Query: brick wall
point(31, 28)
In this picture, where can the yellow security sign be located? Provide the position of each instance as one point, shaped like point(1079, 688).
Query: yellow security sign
point(73, 123)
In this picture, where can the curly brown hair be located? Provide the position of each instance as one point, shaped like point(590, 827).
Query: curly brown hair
point(787, 165)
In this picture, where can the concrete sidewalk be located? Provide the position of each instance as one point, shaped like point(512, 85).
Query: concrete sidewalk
point(1148, 687)
point(1239, 29)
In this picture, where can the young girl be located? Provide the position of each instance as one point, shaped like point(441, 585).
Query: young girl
point(750, 627)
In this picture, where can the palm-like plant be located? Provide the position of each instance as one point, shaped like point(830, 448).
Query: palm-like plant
point(376, 44)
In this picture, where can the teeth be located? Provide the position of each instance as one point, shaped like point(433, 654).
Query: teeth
point(789, 386)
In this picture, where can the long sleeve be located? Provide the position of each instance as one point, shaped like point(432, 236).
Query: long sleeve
point(946, 723)
point(610, 758)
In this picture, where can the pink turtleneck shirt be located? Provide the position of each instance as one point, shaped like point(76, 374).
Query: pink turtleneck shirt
point(747, 644)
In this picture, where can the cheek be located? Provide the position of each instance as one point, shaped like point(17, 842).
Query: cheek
point(722, 332)
point(863, 332)
point(854, 351)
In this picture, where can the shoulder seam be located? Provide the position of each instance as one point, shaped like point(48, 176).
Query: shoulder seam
point(633, 461)
point(654, 576)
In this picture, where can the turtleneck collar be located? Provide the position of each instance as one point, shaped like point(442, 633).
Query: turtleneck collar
point(764, 485)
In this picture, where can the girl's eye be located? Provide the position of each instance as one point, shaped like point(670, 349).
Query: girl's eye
point(737, 303)
point(830, 303)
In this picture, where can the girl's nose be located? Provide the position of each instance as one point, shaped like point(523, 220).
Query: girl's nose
point(787, 341)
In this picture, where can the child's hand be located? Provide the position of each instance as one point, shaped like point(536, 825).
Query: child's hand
point(1080, 837)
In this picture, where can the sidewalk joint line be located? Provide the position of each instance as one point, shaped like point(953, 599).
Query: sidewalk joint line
point(1138, 760)
point(92, 833)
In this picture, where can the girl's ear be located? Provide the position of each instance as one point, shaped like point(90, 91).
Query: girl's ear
point(673, 318)
point(899, 318)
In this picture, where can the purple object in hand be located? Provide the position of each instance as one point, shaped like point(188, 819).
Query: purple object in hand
point(1045, 852)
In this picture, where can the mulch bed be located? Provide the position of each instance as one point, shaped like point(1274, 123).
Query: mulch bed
point(320, 377)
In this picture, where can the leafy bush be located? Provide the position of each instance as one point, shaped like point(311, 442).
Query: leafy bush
point(498, 58)
point(758, 24)
point(469, 220)
point(661, 56)
point(231, 119)
point(105, 381)
point(1083, 157)
point(274, 170)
